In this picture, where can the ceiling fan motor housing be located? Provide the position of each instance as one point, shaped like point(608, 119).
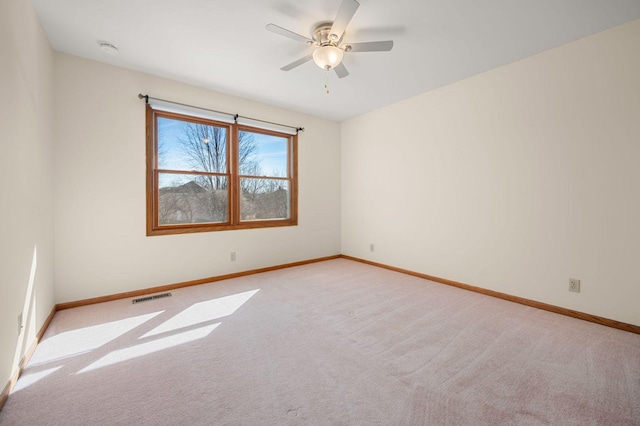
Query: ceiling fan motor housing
point(322, 35)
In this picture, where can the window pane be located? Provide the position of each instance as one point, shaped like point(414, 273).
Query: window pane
point(192, 199)
point(264, 199)
point(263, 155)
point(183, 145)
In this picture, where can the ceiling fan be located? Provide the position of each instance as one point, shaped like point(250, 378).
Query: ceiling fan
point(327, 41)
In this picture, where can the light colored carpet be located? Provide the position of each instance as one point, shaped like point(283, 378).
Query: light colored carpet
point(336, 342)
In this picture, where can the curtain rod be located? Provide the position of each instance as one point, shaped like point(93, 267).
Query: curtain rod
point(235, 116)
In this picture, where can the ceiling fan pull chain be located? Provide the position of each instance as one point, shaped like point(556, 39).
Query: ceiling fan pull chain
point(326, 80)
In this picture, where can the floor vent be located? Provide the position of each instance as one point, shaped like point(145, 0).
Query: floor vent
point(149, 298)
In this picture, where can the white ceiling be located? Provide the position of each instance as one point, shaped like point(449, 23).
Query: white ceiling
point(223, 45)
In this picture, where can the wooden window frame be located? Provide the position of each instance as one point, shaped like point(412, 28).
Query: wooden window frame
point(234, 219)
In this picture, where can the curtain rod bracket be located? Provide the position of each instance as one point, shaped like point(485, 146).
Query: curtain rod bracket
point(146, 97)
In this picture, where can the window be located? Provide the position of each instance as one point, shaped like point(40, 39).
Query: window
point(206, 175)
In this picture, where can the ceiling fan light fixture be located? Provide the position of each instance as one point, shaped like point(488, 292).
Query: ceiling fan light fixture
point(327, 57)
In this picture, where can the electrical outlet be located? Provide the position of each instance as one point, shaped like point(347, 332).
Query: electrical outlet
point(574, 285)
point(372, 247)
point(233, 256)
point(20, 323)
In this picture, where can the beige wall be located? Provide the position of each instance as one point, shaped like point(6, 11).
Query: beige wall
point(26, 170)
point(101, 245)
point(514, 180)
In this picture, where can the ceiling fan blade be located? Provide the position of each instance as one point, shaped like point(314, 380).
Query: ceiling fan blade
point(289, 34)
point(297, 63)
point(341, 70)
point(371, 46)
point(346, 12)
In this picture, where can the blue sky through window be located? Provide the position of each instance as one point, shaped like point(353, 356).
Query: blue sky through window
point(271, 151)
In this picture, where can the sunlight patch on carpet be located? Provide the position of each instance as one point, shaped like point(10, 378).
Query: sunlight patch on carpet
point(148, 348)
point(201, 312)
point(27, 380)
point(82, 340)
